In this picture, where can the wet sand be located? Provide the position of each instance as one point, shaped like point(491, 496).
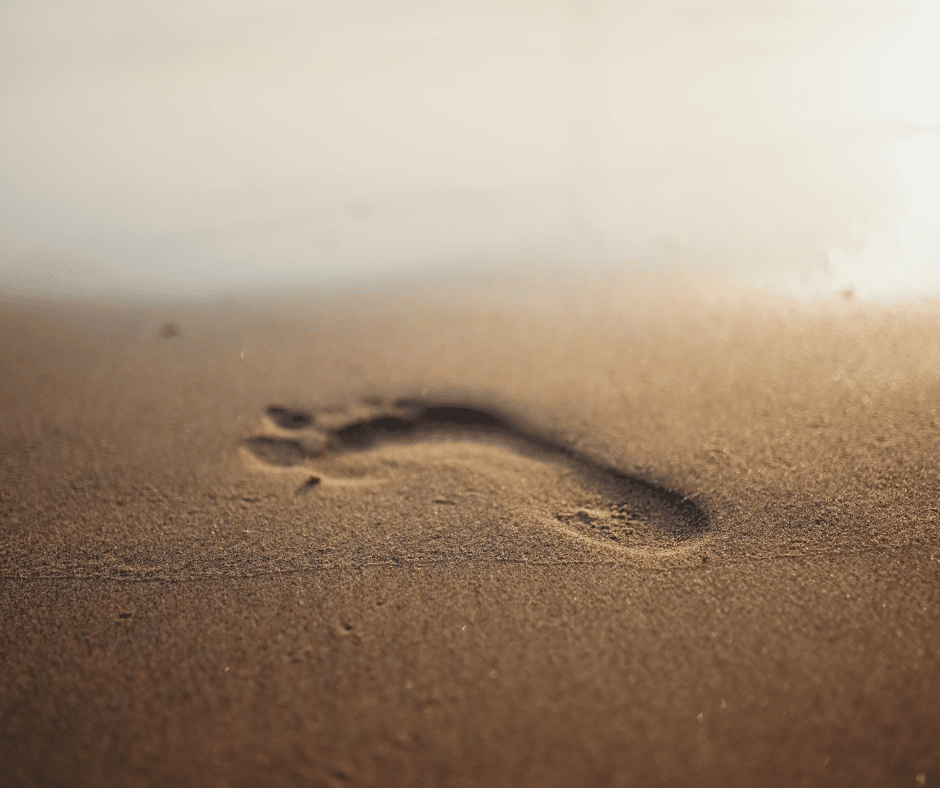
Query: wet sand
point(592, 533)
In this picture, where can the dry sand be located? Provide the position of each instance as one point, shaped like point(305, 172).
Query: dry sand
point(675, 536)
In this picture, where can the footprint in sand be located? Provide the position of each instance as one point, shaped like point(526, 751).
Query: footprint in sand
point(583, 497)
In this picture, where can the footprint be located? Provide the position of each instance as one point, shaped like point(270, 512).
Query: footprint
point(616, 509)
point(283, 452)
point(289, 419)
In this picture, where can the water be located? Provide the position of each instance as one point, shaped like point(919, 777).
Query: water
point(151, 147)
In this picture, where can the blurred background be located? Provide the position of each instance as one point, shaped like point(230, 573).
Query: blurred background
point(170, 147)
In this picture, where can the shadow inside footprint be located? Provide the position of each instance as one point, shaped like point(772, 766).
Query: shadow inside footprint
point(634, 510)
point(288, 419)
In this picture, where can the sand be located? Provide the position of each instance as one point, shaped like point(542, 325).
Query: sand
point(477, 533)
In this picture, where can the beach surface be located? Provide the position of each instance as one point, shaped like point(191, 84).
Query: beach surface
point(470, 533)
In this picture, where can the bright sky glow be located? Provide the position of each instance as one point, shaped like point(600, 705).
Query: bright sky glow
point(210, 143)
point(923, 67)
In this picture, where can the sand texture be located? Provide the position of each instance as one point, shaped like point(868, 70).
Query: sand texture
point(470, 535)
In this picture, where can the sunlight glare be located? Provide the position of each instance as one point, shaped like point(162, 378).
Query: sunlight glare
point(900, 263)
point(923, 67)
